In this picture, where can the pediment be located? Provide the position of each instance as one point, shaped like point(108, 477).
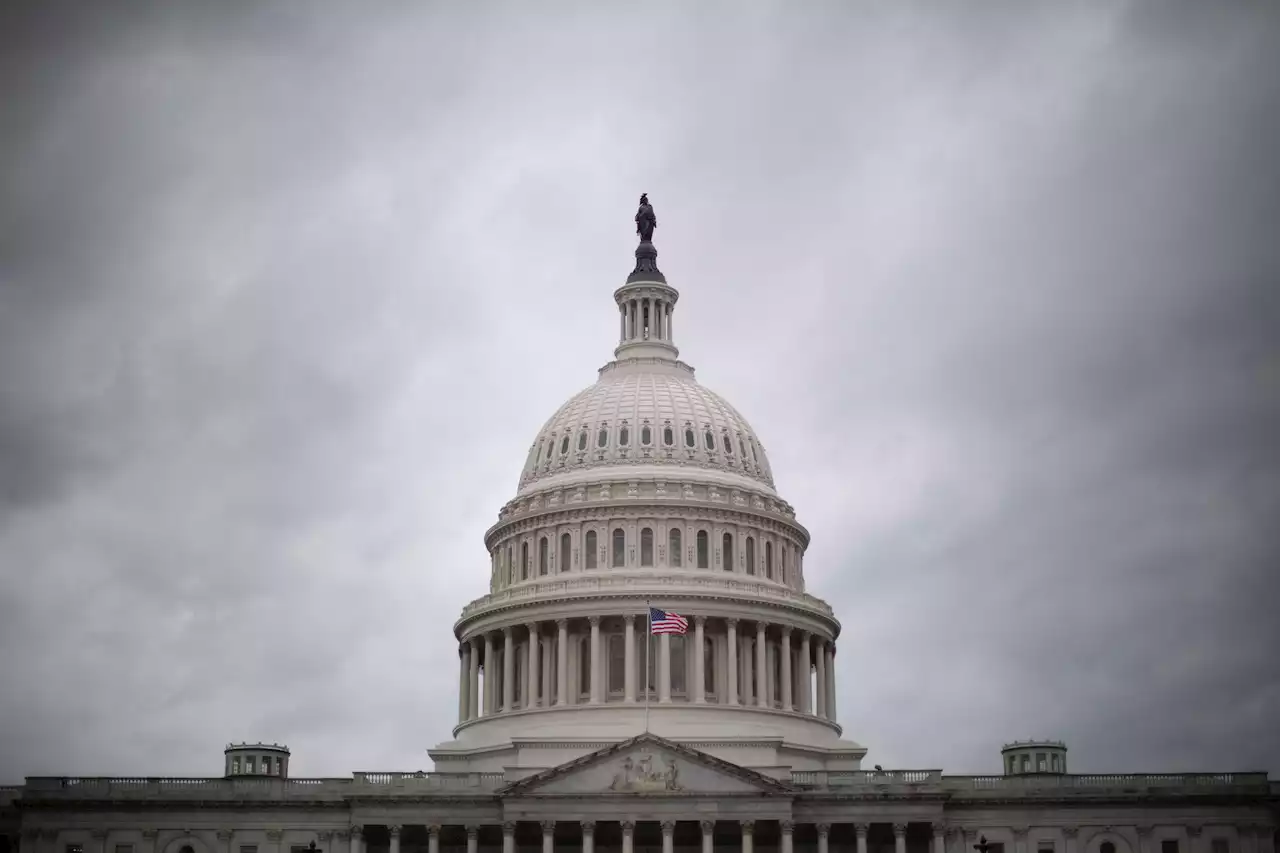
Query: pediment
point(649, 765)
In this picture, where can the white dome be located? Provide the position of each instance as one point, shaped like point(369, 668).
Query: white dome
point(646, 415)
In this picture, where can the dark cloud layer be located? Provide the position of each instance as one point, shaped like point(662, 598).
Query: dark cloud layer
point(286, 289)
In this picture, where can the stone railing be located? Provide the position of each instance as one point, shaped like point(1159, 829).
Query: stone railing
point(687, 582)
point(1112, 782)
point(380, 784)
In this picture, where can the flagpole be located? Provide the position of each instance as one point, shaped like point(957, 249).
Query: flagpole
point(648, 658)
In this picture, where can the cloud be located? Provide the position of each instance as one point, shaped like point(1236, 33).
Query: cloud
point(286, 291)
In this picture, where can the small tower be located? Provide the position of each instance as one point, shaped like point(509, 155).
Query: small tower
point(256, 759)
point(1026, 757)
point(646, 302)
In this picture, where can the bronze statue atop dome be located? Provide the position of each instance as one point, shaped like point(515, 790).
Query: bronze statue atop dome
point(645, 220)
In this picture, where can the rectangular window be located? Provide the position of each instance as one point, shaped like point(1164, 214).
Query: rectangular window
point(617, 663)
point(1219, 845)
point(1169, 845)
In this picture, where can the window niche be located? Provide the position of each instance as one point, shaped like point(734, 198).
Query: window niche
point(566, 550)
point(704, 548)
point(674, 555)
point(646, 547)
point(727, 552)
point(589, 550)
point(619, 548)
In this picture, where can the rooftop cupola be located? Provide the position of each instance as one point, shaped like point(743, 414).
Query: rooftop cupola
point(646, 302)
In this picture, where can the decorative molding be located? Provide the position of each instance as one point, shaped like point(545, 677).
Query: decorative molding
point(748, 827)
point(708, 827)
point(224, 834)
point(394, 830)
point(588, 827)
point(899, 830)
point(823, 829)
point(628, 827)
point(275, 835)
point(787, 827)
point(1070, 831)
point(548, 827)
point(508, 828)
point(668, 827)
point(473, 832)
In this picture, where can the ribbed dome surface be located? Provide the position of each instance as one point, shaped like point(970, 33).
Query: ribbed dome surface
point(660, 418)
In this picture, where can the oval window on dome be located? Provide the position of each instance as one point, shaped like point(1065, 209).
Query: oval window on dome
point(689, 440)
point(668, 436)
point(728, 445)
point(564, 444)
point(582, 440)
point(602, 437)
point(646, 435)
point(624, 437)
point(709, 440)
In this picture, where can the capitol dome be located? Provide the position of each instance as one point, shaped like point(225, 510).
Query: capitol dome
point(646, 496)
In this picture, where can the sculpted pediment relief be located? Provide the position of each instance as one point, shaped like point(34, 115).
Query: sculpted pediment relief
point(646, 765)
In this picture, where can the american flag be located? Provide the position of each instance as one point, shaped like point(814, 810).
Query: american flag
point(666, 622)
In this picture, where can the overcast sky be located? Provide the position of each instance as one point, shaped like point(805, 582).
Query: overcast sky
point(287, 290)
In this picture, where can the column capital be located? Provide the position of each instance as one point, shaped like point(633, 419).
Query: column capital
point(823, 828)
point(98, 834)
point(761, 626)
point(507, 631)
point(668, 827)
point(628, 826)
point(971, 834)
point(786, 630)
point(939, 831)
point(708, 826)
point(433, 829)
point(629, 619)
point(1070, 831)
point(860, 829)
point(394, 830)
point(1194, 830)
point(1020, 832)
point(224, 834)
point(342, 834)
point(700, 621)
point(787, 826)
point(473, 831)
point(150, 833)
point(593, 620)
point(1144, 830)
point(548, 826)
point(748, 826)
point(732, 623)
point(275, 834)
point(562, 624)
point(508, 827)
point(531, 627)
point(899, 830)
point(476, 640)
point(588, 826)
point(325, 834)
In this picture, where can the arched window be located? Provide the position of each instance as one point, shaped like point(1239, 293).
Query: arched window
point(602, 437)
point(768, 560)
point(689, 441)
point(589, 550)
point(542, 555)
point(624, 437)
point(565, 549)
point(619, 548)
point(582, 440)
point(646, 435)
point(646, 547)
point(679, 659)
point(709, 440)
point(617, 664)
point(728, 552)
point(524, 561)
point(673, 548)
point(708, 667)
point(751, 555)
point(668, 436)
point(704, 560)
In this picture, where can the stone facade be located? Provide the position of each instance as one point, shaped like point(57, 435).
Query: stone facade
point(579, 730)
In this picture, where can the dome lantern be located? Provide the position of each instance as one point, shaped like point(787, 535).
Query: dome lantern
point(646, 302)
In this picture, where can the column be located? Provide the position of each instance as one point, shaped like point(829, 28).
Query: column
point(1195, 838)
point(806, 675)
point(762, 667)
point(509, 664)
point(831, 681)
point(668, 833)
point(508, 838)
point(357, 832)
point(899, 838)
point(733, 660)
point(562, 662)
point(708, 835)
point(622, 322)
point(1069, 833)
point(148, 841)
point(341, 842)
point(629, 830)
point(699, 660)
point(1020, 839)
point(473, 683)
point(473, 838)
point(971, 838)
point(748, 835)
point(629, 689)
point(548, 686)
point(464, 692)
point(99, 837)
point(822, 679)
point(531, 681)
point(860, 830)
point(588, 836)
point(394, 831)
point(433, 838)
point(548, 836)
point(824, 837)
point(490, 687)
point(939, 838)
point(788, 836)
point(670, 324)
point(597, 671)
point(785, 651)
point(224, 840)
point(664, 670)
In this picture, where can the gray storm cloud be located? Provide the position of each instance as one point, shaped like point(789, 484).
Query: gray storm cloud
point(287, 290)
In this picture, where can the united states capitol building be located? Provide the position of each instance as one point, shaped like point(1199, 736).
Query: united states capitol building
point(579, 730)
